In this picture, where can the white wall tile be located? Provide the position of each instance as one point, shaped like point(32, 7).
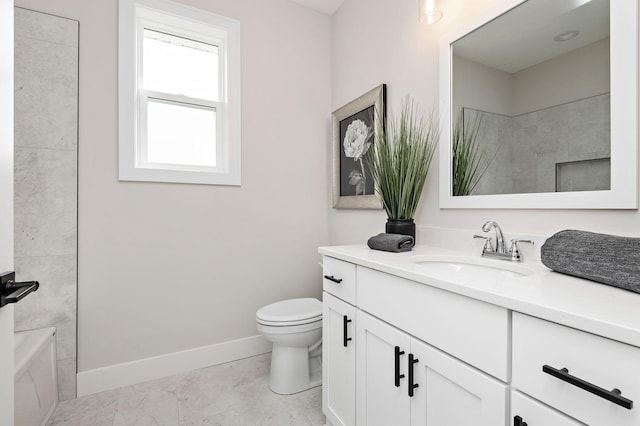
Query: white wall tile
point(46, 93)
point(46, 174)
point(42, 26)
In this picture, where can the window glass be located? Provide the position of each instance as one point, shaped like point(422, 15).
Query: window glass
point(179, 66)
point(180, 133)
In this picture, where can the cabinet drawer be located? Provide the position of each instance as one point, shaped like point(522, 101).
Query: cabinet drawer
point(534, 413)
point(339, 279)
point(592, 362)
point(473, 331)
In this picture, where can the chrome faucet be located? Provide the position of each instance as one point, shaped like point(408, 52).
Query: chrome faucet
point(499, 251)
point(499, 237)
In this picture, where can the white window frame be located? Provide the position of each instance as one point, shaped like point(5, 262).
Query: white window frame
point(182, 21)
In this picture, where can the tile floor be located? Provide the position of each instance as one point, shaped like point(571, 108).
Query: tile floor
point(232, 394)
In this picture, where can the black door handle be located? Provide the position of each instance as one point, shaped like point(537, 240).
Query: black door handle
point(614, 395)
point(12, 291)
point(517, 421)
point(411, 386)
point(334, 279)
point(397, 375)
point(345, 339)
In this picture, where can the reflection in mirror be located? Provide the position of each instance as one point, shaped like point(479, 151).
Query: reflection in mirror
point(540, 91)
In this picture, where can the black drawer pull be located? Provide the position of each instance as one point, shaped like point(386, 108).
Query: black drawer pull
point(411, 386)
point(614, 395)
point(397, 375)
point(345, 339)
point(334, 279)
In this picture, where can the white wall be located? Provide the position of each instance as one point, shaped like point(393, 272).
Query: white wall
point(481, 87)
point(170, 267)
point(391, 47)
point(576, 75)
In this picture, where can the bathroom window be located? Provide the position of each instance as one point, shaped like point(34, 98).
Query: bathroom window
point(179, 94)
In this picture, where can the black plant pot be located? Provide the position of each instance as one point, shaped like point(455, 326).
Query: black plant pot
point(401, 226)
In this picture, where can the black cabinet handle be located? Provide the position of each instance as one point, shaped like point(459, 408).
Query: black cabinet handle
point(397, 375)
point(614, 395)
point(334, 279)
point(517, 421)
point(345, 339)
point(411, 386)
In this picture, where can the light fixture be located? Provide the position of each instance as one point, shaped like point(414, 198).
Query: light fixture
point(429, 11)
point(566, 36)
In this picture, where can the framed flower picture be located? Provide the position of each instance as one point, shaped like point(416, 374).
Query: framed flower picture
point(353, 129)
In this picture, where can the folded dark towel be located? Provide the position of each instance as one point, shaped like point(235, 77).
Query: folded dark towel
point(606, 259)
point(391, 242)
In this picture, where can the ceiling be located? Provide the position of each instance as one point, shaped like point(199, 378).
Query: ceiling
point(325, 6)
point(524, 36)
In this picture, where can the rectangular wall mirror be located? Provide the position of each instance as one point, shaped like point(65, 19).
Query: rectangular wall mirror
point(539, 104)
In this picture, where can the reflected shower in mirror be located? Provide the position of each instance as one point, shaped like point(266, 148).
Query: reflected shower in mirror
point(540, 90)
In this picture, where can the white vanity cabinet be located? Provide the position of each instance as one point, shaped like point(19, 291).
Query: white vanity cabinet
point(338, 343)
point(385, 374)
point(542, 349)
point(403, 381)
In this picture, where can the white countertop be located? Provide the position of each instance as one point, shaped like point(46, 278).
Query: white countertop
point(596, 308)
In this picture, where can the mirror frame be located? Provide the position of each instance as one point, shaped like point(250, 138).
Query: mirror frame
point(624, 123)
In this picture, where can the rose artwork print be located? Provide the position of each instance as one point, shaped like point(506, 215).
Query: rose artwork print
point(356, 144)
point(357, 140)
point(357, 137)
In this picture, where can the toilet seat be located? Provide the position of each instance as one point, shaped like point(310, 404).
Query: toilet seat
point(288, 329)
point(290, 312)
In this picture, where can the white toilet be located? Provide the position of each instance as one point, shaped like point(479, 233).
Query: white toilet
point(294, 327)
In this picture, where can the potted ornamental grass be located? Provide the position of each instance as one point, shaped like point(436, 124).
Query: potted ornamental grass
point(399, 160)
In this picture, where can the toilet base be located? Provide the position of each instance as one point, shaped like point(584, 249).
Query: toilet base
point(293, 370)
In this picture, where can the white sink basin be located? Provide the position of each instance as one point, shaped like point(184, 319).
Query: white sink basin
point(470, 266)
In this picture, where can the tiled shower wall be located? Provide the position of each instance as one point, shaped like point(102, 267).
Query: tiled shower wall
point(46, 174)
point(527, 147)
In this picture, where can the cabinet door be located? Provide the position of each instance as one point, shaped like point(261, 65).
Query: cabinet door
point(381, 397)
point(338, 361)
point(451, 393)
point(525, 410)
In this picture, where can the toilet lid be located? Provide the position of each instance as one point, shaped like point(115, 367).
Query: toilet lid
point(292, 310)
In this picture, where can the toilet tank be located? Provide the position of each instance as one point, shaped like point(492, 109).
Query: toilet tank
point(36, 380)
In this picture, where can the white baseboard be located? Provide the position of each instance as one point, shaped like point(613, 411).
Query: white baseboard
point(130, 373)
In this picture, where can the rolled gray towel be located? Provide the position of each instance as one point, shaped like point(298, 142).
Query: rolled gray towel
point(391, 242)
point(607, 259)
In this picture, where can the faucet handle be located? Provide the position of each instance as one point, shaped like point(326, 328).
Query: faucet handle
point(488, 244)
point(515, 251)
